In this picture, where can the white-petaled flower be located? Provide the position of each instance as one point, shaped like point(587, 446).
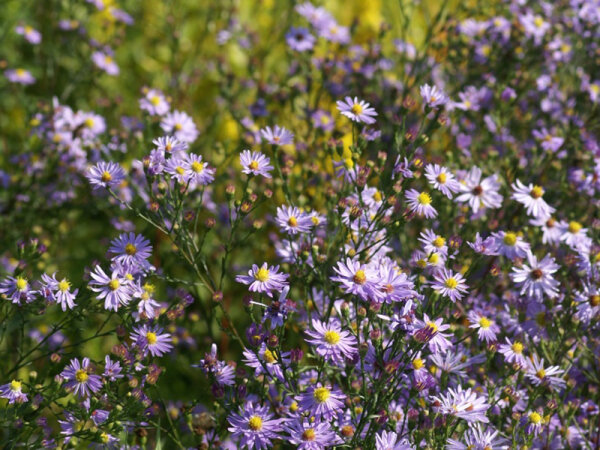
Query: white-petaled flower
point(449, 284)
point(442, 179)
point(538, 374)
point(480, 193)
point(356, 110)
point(535, 278)
point(531, 197)
point(510, 244)
point(463, 404)
point(420, 203)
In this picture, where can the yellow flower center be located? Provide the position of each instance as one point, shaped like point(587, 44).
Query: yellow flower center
point(424, 198)
point(106, 176)
point(104, 438)
point(434, 258)
point(155, 100)
point(441, 178)
point(574, 227)
point(348, 163)
point(269, 357)
point(510, 238)
point(64, 286)
point(484, 322)
point(332, 337)
point(151, 338)
point(535, 418)
point(309, 435)
point(538, 21)
point(255, 423)
point(20, 72)
point(360, 277)
point(314, 220)
point(180, 170)
point(536, 192)
point(253, 165)
point(595, 300)
point(114, 285)
point(197, 167)
point(89, 122)
point(432, 326)
point(262, 274)
point(292, 221)
point(517, 347)
point(541, 374)
point(418, 363)
point(294, 407)
point(357, 109)
point(21, 283)
point(439, 242)
point(451, 283)
point(130, 249)
point(108, 59)
point(178, 126)
point(15, 385)
point(81, 376)
point(321, 394)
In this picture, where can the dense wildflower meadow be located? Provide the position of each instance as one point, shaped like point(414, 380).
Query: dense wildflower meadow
point(272, 224)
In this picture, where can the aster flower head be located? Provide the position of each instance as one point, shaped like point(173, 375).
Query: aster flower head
point(170, 145)
point(30, 34)
point(17, 289)
point(105, 175)
point(265, 279)
point(420, 204)
point(254, 426)
point(222, 372)
point(58, 291)
point(331, 342)
point(116, 290)
point(357, 110)
point(179, 125)
point(478, 193)
point(105, 62)
point(389, 440)
point(154, 102)
point(176, 167)
point(510, 244)
point(20, 76)
point(449, 284)
point(255, 163)
point(531, 197)
point(300, 39)
point(131, 250)
point(487, 330)
point(13, 392)
point(80, 378)
point(197, 172)
point(277, 135)
point(432, 332)
point(442, 179)
point(432, 96)
point(310, 435)
point(513, 352)
point(321, 401)
point(151, 339)
point(112, 369)
point(476, 438)
point(358, 279)
point(548, 376)
point(291, 220)
point(462, 404)
point(535, 278)
point(433, 242)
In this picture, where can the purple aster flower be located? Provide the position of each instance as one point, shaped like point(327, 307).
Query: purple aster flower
point(277, 136)
point(254, 426)
point(395, 285)
point(357, 111)
point(31, 35)
point(432, 332)
point(480, 193)
point(551, 229)
point(131, 250)
point(549, 142)
point(331, 342)
point(476, 438)
point(420, 203)
point(538, 374)
point(463, 404)
point(112, 370)
point(300, 39)
point(449, 284)
point(534, 26)
point(323, 120)
point(58, 291)
point(151, 339)
point(264, 280)
point(99, 416)
point(358, 279)
point(321, 401)
point(291, 220)
point(310, 435)
point(433, 243)
point(180, 125)
point(104, 175)
point(81, 378)
point(20, 76)
point(147, 305)
point(513, 352)
point(575, 236)
point(13, 392)
point(531, 197)
point(154, 102)
point(175, 167)
point(485, 246)
point(255, 163)
point(535, 278)
point(332, 31)
point(267, 361)
point(442, 179)
point(486, 328)
point(115, 290)
point(432, 96)
point(17, 289)
point(105, 62)
point(388, 440)
point(510, 244)
point(197, 173)
point(170, 145)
